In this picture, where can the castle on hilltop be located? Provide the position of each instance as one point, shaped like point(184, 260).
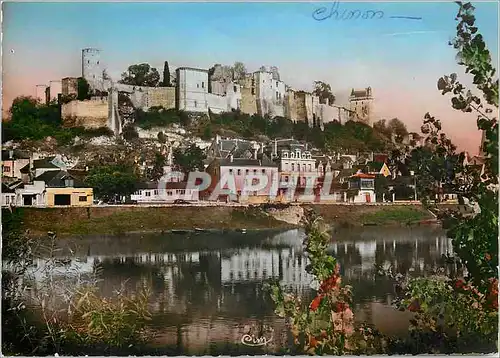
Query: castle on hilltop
point(200, 91)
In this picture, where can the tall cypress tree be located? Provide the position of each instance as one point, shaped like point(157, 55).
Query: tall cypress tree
point(166, 75)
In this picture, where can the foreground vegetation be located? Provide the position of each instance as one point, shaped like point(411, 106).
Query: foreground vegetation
point(455, 310)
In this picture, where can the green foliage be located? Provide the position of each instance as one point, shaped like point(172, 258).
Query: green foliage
point(190, 159)
point(129, 133)
point(157, 170)
point(83, 89)
point(90, 324)
point(464, 319)
point(326, 325)
point(462, 314)
point(34, 121)
point(111, 181)
point(141, 75)
point(160, 117)
point(324, 92)
point(166, 75)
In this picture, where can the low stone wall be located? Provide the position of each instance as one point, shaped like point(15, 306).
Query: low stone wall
point(88, 114)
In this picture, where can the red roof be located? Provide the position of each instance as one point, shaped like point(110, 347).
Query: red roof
point(363, 176)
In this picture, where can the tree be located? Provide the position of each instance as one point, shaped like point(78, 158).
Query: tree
point(112, 181)
point(83, 89)
point(398, 128)
point(166, 75)
point(207, 132)
point(239, 71)
point(159, 163)
point(189, 160)
point(129, 133)
point(469, 305)
point(162, 138)
point(324, 92)
point(141, 75)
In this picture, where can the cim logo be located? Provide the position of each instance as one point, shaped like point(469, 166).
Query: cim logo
point(257, 337)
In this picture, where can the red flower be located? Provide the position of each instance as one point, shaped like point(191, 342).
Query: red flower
point(312, 341)
point(414, 306)
point(315, 303)
point(460, 283)
point(341, 306)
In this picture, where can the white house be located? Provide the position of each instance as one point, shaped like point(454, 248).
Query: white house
point(158, 193)
point(31, 194)
point(365, 186)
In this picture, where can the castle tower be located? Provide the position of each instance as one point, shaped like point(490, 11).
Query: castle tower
point(92, 68)
point(361, 105)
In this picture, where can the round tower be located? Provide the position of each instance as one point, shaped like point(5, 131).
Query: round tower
point(91, 67)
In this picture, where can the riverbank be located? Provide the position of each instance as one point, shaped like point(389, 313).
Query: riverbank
point(133, 219)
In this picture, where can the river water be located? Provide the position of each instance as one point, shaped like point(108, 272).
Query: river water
point(208, 288)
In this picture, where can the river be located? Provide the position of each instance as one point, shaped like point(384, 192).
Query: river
point(207, 287)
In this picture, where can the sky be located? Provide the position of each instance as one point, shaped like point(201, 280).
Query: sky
point(401, 59)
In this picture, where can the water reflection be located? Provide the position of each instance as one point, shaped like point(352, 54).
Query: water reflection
point(206, 287)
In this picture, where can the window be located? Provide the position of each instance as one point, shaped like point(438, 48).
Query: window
point(286, 179)
point(277, 95)
point(197, 85)
point(7, 200)
point(255, 171)
point(97, 62)
point(6, 169)
point(253, 91)
point(303, 167)
point(293, 167)
point(169, 193)
point(88, 61)
point(230, 171)
point(309, 167)
point(68, 182)
point(239, 171)
point(82, 198)
point(181, 191)
point(263, 171)
point(235, 89)
point(203, 85)
point(148, 193)
point(155, 192)
point(247, 171)
point(195, 103)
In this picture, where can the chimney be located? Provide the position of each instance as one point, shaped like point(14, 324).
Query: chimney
point(231, 157)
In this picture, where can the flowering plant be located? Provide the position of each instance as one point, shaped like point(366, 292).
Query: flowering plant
point(326, 324)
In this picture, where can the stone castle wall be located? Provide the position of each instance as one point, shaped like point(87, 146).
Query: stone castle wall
point(88, 114)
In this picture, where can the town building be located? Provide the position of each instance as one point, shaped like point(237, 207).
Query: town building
point(12, 163)
point(363, 187)
point(161, 193)
point(243, 169)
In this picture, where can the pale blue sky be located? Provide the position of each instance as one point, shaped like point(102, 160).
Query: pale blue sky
point(394, 56)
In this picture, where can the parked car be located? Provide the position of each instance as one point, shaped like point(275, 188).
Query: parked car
point(181, 201)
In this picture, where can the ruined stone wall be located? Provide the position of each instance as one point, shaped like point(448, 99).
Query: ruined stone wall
point(88, 114)
point(160, 96)
point(300, 106)
point(290, 106)
point(69, 86)
point(248, 97)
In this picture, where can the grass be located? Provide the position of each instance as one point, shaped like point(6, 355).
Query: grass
point(396, 215)
point(115, 221)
